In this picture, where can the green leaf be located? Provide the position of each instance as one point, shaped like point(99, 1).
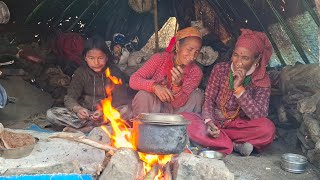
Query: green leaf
point(289, 32)
point(265, 29)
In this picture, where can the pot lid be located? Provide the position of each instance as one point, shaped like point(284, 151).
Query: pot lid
point(163, 118)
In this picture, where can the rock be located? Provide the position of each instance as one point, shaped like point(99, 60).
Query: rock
point(306, 141)
point(65, 168)
point(303, 77)
point(309, 104)
point(282, 115)
point(99, 135)
point(124, 164)
point(312, 127)
point(318, 111)
point(314, 155)
point(192, 167)
point(47, 153)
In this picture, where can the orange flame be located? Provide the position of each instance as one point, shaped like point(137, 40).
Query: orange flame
point(121, 136)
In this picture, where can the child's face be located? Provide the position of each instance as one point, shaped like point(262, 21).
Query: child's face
point(96, 59)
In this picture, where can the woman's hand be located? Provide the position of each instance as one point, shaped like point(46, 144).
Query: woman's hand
point(163, 93)
point(83, 114)
point(239, 76)
point(97, 115)
point(212, 130)
point(176, 76)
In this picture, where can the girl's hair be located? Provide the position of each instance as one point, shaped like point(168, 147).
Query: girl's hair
point(96, 42)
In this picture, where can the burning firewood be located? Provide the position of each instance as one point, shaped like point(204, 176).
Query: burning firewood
point(152, 173)
point(167, 173)
point(82, 139)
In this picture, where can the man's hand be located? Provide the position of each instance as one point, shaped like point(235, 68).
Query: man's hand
point(83, 114)
point(239, 76)
point(213, 130)
point(176, 75)
point(163, 93)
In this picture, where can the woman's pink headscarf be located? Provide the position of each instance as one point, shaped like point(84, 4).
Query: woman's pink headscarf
point(259, 43)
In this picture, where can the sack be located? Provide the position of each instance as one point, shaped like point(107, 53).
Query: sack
point(141, 6)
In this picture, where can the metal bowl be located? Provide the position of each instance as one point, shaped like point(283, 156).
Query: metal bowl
point(293, 163)
point(212, 154)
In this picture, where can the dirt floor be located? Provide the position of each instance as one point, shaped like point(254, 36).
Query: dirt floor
point(32, 104)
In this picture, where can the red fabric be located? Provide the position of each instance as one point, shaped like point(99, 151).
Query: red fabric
point(69, 46)
point(259, 132)
point(171, 45)
point(259, 43)
point(183, 33)
point(254, 102)
point(157, 70)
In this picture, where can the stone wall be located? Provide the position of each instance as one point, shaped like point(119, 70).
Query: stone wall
point(317, 2)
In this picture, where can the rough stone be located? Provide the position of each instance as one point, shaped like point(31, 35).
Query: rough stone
point(309, 104)
point(282, 115)
point(312, 127)
point(318, 110)
point(124, 164)
point(65, 168)
point(48, 153)
point(302, 77)
point(192, 167)
point(302, 135)
point(314, 155)
point(99, 135)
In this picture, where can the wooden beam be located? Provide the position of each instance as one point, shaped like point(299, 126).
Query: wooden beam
point(155, 3)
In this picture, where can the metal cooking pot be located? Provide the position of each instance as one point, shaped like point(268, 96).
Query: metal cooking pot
point(160, 133)
point(3, 97)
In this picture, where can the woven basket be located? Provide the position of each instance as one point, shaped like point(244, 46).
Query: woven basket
point(141, 6)
point(4, 13)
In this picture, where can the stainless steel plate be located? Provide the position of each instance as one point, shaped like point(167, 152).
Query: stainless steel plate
point(212, 154)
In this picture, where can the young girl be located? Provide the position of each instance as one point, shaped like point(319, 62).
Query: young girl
point(87, 89)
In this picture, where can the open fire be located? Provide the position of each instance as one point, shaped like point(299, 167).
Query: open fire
point(122, 136)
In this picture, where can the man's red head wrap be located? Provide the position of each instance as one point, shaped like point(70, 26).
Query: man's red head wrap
point(259, 44)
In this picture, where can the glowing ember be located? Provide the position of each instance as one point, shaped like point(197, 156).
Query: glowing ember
point(121, 136)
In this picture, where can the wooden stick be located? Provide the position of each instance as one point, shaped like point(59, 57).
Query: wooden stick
point(152, 173)
point(156, 25)
point(82, 139)
point(167, 173)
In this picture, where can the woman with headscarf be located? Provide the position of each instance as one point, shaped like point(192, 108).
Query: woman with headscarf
point(237, 100)
point(168, 81)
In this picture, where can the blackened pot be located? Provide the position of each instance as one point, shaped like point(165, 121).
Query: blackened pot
point(160, 133)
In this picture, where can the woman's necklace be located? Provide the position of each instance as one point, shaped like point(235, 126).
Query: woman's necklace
point(226, 95)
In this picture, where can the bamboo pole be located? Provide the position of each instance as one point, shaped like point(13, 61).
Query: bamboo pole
point(156, 25)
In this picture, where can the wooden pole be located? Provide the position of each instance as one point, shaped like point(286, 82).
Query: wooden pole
point(155, 3)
